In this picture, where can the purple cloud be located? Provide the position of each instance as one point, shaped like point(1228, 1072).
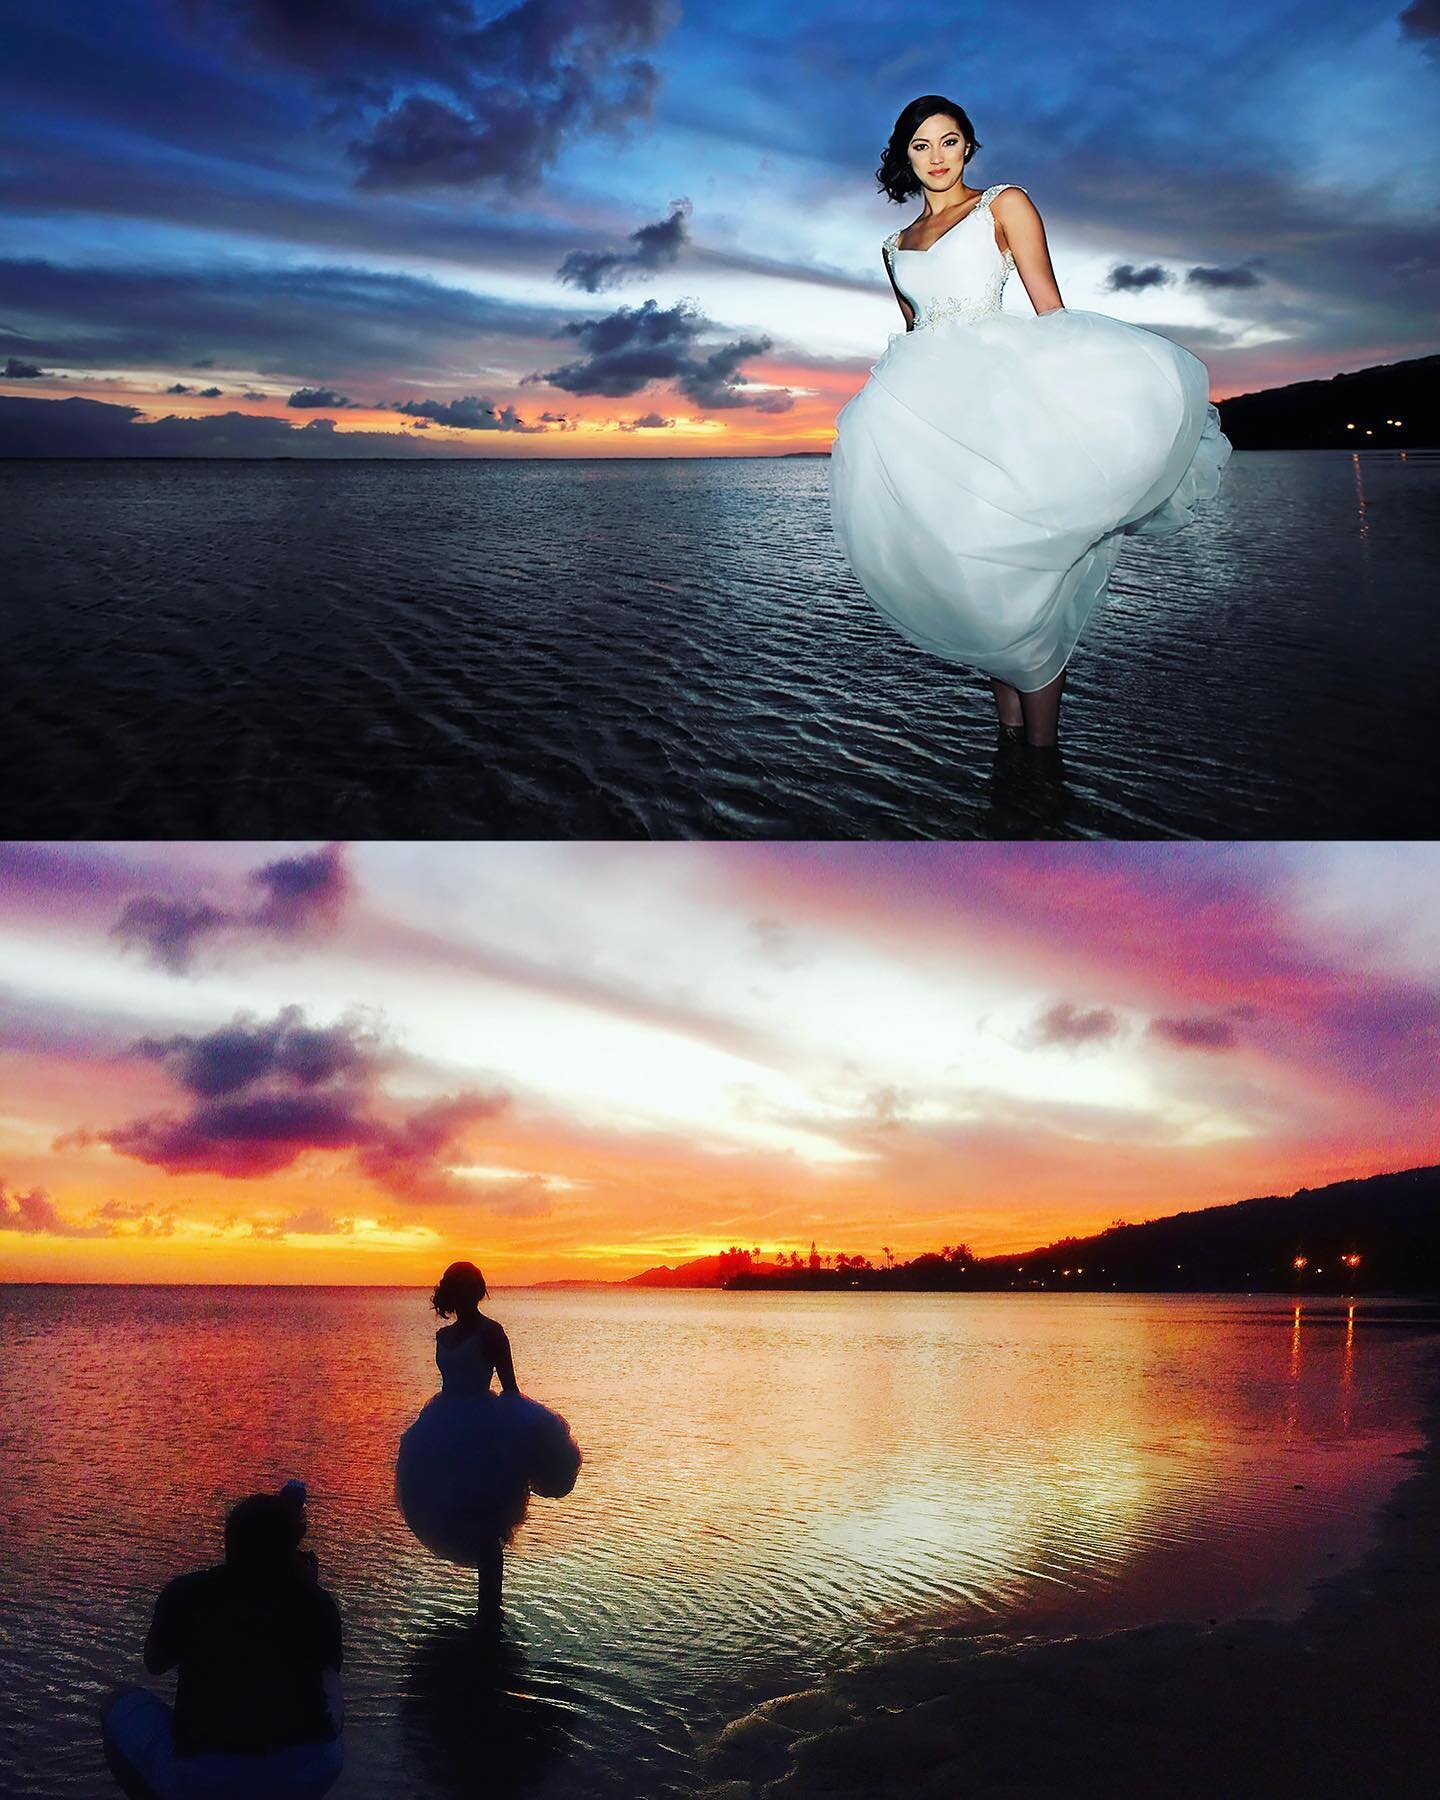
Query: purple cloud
point(298, 894)
point(1194, 1034)
point(1065, 1023)
point(243, 1137)
point(246, 1052)
point(301, 891)
point(262, 1094)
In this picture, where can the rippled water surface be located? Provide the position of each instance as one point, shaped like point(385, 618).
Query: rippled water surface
point(775, 1485)
point(676, 648)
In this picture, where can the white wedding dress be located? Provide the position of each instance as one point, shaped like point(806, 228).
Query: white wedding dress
point(983, 479)
point(467, 1466)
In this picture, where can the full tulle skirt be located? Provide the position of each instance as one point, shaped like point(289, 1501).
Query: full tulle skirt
point(984, 479)
point(466, 1468)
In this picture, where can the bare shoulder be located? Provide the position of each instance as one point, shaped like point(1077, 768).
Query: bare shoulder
point(1013, 203)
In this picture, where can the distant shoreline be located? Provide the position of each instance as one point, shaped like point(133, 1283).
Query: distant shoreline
point(665, 456)
point(1383, 450)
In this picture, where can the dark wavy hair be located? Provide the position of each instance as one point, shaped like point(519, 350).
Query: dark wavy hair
point(895, 175)
point(461, 1281)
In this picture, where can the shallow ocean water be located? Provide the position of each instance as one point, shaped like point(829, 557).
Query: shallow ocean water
point(775, 1487)
point(676, 649)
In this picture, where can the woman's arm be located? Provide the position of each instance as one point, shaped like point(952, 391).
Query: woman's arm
point(504, 1362)
point(1023, 232)
point(907, 310)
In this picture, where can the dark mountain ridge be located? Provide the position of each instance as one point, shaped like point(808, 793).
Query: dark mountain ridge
point(1380, 1233)
point(1357, 411)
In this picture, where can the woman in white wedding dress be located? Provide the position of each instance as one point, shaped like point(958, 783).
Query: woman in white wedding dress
point(466, 1468)
point(983, 479)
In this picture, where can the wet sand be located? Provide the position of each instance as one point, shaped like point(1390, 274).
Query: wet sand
point(1341, 1701)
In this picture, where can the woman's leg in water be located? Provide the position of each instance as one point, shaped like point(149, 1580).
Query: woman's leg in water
point(1042, 713)
point(488, 1577)
point(1007, 703)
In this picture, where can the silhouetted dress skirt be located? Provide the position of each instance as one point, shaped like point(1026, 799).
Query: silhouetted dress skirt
point(466, 1468)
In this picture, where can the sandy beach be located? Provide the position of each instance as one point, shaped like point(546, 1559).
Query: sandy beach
point(1339, 1701)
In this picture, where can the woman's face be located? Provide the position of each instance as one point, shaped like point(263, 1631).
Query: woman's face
point(937, 153)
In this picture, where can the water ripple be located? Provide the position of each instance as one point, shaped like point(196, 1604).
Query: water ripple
point(774, 1486)
point(675, 649)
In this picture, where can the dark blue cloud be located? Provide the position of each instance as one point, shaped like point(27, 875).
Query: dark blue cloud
point(656, 247)
point(1125, 278)
point(306, 399)
point(470, 413)
point(81, 427)
point(634, 346)
point(1243, 277)
point(252, 316)
point(1420, 21)
point(519, 86)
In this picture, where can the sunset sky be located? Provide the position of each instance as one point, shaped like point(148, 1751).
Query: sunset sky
point(632, 227)
point(326, 1063)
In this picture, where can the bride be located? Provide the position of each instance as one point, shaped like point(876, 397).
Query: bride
point(467, 1466)
point(984, 477)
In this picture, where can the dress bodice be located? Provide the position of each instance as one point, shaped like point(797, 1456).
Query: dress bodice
point(962, 275)
point(465, 1364)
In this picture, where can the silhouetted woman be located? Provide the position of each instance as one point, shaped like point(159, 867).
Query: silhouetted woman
point(467, 1466)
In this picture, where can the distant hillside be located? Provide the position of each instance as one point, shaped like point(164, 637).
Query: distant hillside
point(704, 1271)
point(1391, 1223)
point(1319, 415)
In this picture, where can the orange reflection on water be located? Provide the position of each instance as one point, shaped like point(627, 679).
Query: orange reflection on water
point(762, 1471)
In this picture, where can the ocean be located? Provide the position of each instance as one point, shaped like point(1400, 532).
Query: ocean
point(777, 1487)
point(640, 649)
